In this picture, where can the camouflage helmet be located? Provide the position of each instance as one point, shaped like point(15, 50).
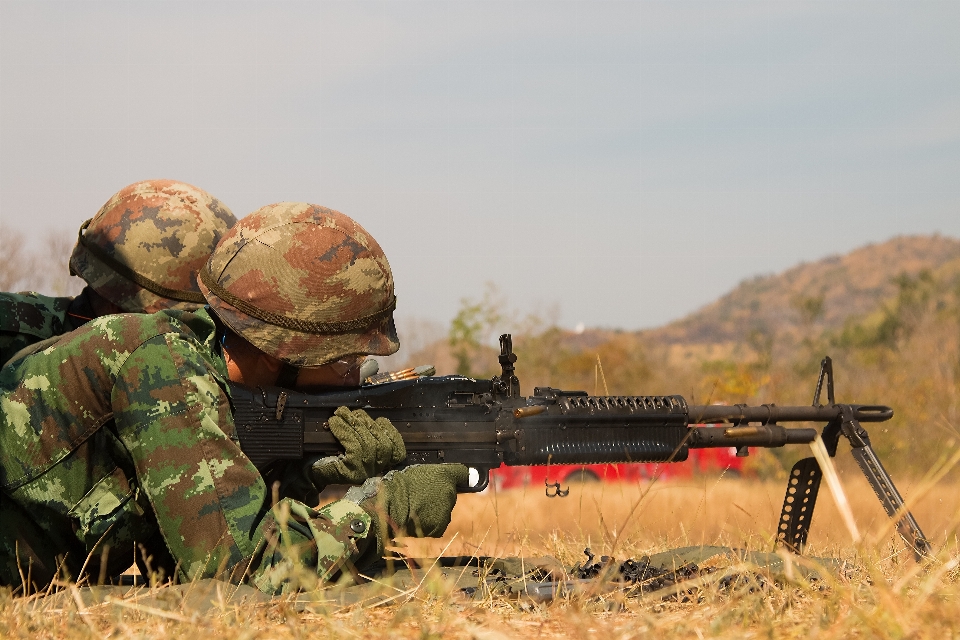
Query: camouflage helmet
point(304, 284)
point(143, 249)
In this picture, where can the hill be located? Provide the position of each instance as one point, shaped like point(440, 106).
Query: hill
point(810, 298)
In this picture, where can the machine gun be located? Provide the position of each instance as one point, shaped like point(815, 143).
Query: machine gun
point(485, 423)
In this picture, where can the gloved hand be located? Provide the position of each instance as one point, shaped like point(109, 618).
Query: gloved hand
point(416, 501)
point(371, 447)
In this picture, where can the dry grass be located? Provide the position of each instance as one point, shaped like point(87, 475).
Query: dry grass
point(615, 518)
point(886, 596)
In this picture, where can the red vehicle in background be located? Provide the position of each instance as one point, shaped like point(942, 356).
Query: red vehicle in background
point(698, 461)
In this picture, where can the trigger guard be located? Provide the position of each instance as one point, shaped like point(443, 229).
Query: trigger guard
point(483, 483)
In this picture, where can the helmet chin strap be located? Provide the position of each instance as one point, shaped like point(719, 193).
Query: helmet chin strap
point(287, 379)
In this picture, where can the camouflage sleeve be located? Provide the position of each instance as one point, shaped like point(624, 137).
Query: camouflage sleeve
point(303, 547)
point(11, 343)
point(26, 318)
point(211, 504)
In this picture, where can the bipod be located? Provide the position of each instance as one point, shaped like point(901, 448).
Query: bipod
point(803, 485)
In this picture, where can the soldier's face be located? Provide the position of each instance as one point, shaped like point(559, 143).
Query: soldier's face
point(248, 365)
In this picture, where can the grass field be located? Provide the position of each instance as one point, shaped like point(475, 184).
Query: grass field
point(615, 517)
point(885, 596)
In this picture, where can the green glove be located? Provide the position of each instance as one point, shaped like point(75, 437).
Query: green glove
point(415, 501)
point(371, 447)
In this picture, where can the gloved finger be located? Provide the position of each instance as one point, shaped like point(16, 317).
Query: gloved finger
point(432, 529)
point(350, 431)
point(457, 474)
point(431, 525)
point(363, 423)
point(349, 465)
point(379, 445)
point(398, 450)
point(454, 474)
point(382, 443)
point(344, 432)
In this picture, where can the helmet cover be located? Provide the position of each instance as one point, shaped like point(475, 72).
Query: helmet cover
point(304, 284)
point(144, 248)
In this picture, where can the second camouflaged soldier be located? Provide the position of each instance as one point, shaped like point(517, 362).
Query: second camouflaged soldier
point(141, 253)
point(119, 439)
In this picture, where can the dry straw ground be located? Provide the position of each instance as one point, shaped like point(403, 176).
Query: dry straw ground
point(885, 595)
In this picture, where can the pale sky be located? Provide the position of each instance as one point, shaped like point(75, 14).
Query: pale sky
point(626, 162)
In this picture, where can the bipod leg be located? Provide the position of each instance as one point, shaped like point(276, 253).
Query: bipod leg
point(798, 503)
point(882, 485)
point(803, 486)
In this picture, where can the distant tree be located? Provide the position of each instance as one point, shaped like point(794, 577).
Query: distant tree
point(810, 308)
point(473, 327)
point(44, 270)
point(16, 263)
point(897, 319)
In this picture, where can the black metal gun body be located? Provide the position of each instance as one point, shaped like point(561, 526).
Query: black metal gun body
point(458, 419)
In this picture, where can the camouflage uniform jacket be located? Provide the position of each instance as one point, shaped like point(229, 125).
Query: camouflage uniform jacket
point(117, 441)
point(27, 318)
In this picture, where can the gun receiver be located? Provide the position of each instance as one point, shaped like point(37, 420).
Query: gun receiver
point(485, 423)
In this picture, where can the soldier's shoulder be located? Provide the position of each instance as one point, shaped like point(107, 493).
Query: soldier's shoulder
point(134, 327)
point(197, 323)
point(33, 313)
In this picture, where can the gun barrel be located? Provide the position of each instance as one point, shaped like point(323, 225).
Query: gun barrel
point(772, 414)
point(772, 435)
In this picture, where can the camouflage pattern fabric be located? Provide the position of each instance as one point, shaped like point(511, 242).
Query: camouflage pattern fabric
point(161, 230)
point(27, 318)
point(119, 441)
point(266, 281)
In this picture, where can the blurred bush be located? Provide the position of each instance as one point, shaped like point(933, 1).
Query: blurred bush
point(44, 268)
